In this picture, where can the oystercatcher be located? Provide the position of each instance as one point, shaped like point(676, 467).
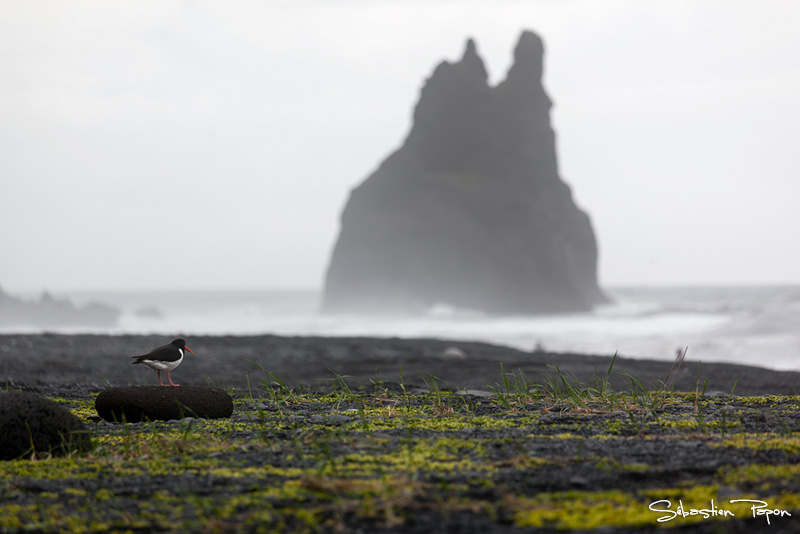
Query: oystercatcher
point(164, 358)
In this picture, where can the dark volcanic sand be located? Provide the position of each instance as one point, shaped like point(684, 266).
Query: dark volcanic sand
point(91, 360)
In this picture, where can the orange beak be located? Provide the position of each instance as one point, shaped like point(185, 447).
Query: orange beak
point(187, 348)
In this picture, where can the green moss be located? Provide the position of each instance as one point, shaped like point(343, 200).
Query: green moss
point(47, 469)
point(760, 476)
point(83, 408)
point(768, 400)
point(582, 510)
point(396, 454)
point(788, 443)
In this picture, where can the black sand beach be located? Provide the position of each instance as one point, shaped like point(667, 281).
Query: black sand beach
point(382, 451)
point(100, 360)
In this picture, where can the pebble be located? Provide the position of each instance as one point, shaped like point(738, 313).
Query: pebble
point(332, 418)
point(260, 406)
point(338, 418)
point(476, 393)
point(717, 394)
point(185, 420)
point(579, 482)
point(454, 353)
point(762, 417)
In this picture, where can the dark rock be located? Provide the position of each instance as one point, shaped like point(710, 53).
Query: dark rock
point(30, 423)
point(158, 403)
point(471, 210)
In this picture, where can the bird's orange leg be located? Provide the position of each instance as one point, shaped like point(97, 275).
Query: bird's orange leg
point(170, 380)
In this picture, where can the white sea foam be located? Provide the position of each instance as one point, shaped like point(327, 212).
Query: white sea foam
point(757, 326)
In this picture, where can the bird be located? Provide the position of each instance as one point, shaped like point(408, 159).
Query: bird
point(164, 358)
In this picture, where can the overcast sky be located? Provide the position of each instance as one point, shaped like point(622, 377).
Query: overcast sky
point(180, 145)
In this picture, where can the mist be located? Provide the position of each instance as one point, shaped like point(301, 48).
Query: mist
point(166, 145)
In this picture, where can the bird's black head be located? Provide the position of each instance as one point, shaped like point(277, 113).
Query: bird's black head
point(181, 344)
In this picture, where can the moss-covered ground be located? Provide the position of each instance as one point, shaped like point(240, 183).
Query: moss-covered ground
point(383, 458)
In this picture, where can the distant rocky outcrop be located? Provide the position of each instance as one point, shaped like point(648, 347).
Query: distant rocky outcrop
point(50, 312)
point(471, 210)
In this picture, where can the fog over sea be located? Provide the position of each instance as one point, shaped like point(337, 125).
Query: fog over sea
point(750, 325)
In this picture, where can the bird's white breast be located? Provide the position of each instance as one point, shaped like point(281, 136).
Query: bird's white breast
point(164, 366)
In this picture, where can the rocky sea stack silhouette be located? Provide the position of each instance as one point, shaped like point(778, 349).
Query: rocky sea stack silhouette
point(470, 211)
point(50, 312)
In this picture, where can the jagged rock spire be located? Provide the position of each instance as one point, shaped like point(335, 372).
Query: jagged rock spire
point(471, 210)
point(528, 59)
point(471, 64)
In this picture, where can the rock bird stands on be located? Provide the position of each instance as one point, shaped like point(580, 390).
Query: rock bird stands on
point(165, 358)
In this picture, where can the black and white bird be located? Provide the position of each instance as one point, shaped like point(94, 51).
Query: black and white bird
point(165, 358)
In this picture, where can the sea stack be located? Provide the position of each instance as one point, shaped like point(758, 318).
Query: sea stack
point(470, 211)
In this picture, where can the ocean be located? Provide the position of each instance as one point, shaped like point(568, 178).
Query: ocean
point(749, 325)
